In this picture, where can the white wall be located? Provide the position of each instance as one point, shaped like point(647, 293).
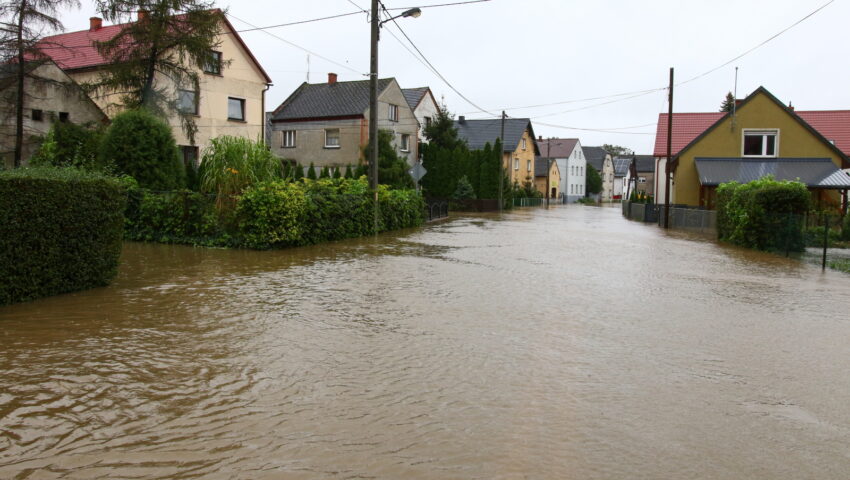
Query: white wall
point(573, 174)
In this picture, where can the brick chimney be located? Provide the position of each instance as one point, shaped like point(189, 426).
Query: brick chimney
point(461, 119)
point(142, 15)
point(95, 24)
point(331, 78)
point(790, 106)
point(540, 138)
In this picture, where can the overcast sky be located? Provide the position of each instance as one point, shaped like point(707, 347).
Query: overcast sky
point(503, 54)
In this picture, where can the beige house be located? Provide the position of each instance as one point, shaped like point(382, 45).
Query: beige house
point(327, 124)
point(230, 101)
point(51, 96)
point(547, 177)
point(603, 163)
point(518, 149)
point(424, 107)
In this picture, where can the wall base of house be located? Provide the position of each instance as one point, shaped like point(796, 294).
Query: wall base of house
point(574, 198)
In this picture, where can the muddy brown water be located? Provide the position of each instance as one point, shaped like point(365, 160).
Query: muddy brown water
point(560, 343)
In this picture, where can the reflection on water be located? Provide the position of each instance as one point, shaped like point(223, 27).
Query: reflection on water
point(561, 343)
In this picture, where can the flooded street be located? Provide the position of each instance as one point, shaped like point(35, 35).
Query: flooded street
point(561, 343)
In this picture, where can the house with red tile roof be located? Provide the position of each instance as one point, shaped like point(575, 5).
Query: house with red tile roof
point(230, 100)
point(761, 137)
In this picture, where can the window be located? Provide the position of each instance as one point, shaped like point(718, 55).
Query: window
point(528, 166)
point(287, 139)
point(760, 143)
point(516, 164)
point(236, 109)
point(394, 112)
point(405, 142)
point(64, 116)
point(641, 179)
point(214, 64)
point(427, 122)
point(187, 101)
point(523, 144)
point(37, 115)
point(331, 138)
point(190, 156)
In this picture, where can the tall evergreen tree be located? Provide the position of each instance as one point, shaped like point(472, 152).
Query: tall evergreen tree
point(311, 172)
point(22, 23)
point(592, 181)
point(442, 132)
point(336, 173)
point(348, 173)
point(297, 172)
point(153, 63)
point(392, 169)
point(728, 103)
point(325, 172)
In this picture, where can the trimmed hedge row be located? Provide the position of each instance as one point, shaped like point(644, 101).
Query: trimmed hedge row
point(271, 214)
point(60, 231)
point(763, 214)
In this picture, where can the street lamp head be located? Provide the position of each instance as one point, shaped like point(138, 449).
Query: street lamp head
point(413, 12)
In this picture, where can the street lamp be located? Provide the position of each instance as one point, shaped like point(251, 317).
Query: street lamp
point(373, 98)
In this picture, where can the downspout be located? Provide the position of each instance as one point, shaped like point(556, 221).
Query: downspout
point(263, 113)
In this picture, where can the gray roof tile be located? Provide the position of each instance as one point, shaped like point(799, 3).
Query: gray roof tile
point(320, 100)
point(595, 156)
point(414, 95)
point(559, 148)
point(479, 132)
point(814, 172)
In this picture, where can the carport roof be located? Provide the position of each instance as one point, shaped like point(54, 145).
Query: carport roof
point(814, 172)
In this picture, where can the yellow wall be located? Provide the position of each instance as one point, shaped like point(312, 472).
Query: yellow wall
point(761, 112)
point(554, 181)
point(239, 79)
point(523, 174)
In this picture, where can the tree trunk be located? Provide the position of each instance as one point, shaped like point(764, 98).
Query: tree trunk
point(19, 106)
point(146, 91)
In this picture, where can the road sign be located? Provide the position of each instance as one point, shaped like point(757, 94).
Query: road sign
point(417, 172)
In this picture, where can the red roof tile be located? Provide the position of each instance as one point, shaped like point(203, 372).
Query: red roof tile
point(832, 124)
point(76, 50)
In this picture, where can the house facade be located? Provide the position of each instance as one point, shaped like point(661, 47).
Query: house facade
point(619, 190)
point(645, 168)
point(762, 137)
point(547, 177)
point(518, 148)
point(52, 96)
point(603, 162)
point(572, 164)
point(230, 99)
point(425, 109)
point(327, 124)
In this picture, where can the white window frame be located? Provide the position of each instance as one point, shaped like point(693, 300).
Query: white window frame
point(405, 142)
point(332, 145)
point(523, 144)
point(516, 164)
point(287, 139)
point(393, 112)
point(763, 132)
point(528, 165)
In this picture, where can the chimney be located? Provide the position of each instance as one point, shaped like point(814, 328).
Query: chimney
point(95, 24)
point(790, 106)
point(461, 119)
point(142, 15)
point(540, 138)
point(331, 78)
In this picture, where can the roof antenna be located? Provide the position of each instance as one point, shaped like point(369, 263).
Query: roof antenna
point(735, 100)
point(308, 68)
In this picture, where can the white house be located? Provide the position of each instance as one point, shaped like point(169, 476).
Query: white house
point(568, 154)
point(424, 107)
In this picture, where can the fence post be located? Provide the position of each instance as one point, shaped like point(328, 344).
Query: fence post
point(825, 240)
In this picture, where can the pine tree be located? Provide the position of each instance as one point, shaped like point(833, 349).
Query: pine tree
point(311, 172)
point(442, 132)
point(348, 173)
point(325, 172)
point(728, 103)
point(297, 172)
point(336, 173)
point(153, 60)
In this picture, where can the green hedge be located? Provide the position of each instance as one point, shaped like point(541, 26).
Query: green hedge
point(271, 214)
point(60, 231)
point(764, 214)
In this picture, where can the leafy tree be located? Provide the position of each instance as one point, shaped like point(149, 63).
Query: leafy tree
point(615, 150)
point(592, 181)
point(442, 132)
point(22, 23)
point(149, 61)
point(392, 169)
point(142, 146)
point(70, 145)
point(728, 103)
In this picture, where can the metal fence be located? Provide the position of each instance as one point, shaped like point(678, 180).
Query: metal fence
point(436, 210)
point(538, 202)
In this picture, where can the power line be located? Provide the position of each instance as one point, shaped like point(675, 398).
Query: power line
point(470, 2)
point(298, 22)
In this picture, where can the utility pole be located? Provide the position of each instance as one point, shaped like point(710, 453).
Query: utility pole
point(502, 164)
point(19, 101)
point(373, 111)
point(669, 163)
point(548, 167)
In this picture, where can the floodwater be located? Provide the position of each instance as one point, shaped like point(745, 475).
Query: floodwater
point(560, 343)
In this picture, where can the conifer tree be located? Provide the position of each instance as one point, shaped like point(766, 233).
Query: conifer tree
point(348, 173)
point(311, 172)
point(728, 103)
point(297, 172)
point(325, 172)
point(336, 173)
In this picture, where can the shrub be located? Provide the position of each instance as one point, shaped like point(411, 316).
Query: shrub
point(142, 146)
point(845, 227)
point(231, 164)
point(592, 181)
point(764, 214)
point(272, 214)
point(175, 217)
point(70, 145)
point(60, 231)
point(464, 190)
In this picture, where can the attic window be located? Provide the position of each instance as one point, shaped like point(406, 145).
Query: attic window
point(213, 66)
point(760, 143)
point(523, 144)
point(394, 112)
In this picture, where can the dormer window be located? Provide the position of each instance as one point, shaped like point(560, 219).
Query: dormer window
point(760, 143)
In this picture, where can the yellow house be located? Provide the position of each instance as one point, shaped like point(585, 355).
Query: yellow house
point(761, 137)
point(519, 147)
point(230, 100)
point(547, 177)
